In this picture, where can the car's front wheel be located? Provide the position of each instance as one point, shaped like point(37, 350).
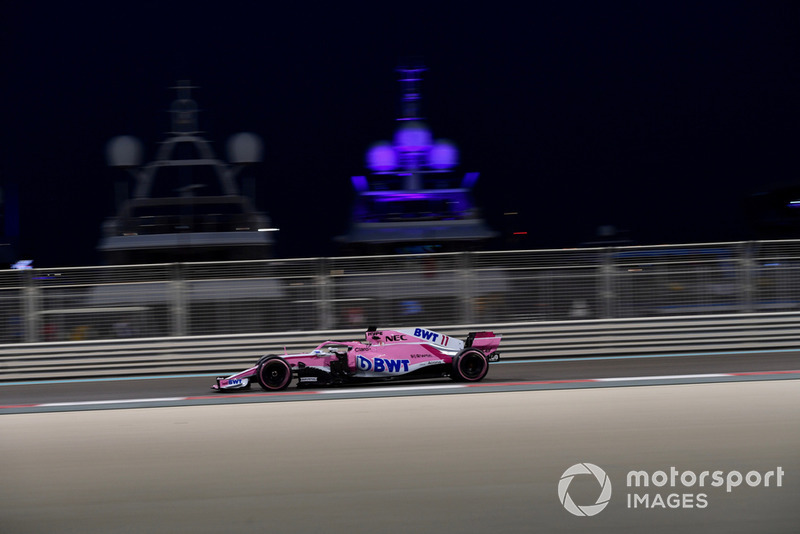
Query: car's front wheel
point(470, 365)
point(273, 373)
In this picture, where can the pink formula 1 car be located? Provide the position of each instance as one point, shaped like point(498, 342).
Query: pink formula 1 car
point(384, 355)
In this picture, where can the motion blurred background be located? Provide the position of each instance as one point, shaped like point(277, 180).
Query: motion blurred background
point(655, 122)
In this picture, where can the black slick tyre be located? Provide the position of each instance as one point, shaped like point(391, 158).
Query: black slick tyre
point(470, 365)
point(273, 373)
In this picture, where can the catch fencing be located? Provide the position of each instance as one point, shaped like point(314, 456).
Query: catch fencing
point(351, 293)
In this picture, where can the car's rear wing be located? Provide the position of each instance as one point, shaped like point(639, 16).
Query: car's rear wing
point(488, 342)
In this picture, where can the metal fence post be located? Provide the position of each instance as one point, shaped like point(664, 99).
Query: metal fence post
point(467, 279)
point(607, 297)
point(324, 321)
point(31, 305)
point(178, 302)
point(747, 276)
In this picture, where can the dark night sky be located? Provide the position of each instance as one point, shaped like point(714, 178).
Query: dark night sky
point(659, 118)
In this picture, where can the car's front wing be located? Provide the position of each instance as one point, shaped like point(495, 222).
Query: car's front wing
point(238, 381)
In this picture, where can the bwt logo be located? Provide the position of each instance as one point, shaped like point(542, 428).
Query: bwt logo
point(382, 365)
point(424, 334)
point(591, 509)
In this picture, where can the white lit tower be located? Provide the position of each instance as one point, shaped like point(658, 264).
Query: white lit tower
point(178, 222)
point(413, 199)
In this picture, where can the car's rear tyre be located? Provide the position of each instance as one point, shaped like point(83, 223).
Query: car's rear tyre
point(470, 365)
point(273, 373)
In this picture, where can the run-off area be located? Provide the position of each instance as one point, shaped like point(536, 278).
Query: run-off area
point(445, 463)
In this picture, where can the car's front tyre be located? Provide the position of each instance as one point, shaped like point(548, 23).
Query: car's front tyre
point(273, 373)
point(470, 365)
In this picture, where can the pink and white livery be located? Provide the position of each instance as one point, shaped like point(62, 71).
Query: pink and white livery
point(405, 353)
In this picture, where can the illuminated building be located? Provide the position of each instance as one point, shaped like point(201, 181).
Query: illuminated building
point(413, 200)
point(186, 205)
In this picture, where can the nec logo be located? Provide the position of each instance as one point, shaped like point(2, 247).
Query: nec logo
point(424, 334)
point(382, 365)
point(398, 337)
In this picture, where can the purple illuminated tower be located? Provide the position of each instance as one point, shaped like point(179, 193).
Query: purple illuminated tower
point(413, 200)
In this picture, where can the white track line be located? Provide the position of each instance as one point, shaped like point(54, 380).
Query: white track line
point(664, 377)
point(388, 389)
point(125, 401)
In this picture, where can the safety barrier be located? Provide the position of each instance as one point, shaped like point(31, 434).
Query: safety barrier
point(107, 303)
point(228, 353)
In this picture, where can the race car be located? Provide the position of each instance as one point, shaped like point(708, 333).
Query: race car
point(405, 353)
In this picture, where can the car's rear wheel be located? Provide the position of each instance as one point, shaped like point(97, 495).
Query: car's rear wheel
point(273, 373)
point(470, 365)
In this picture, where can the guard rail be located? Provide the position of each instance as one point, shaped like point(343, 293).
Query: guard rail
point(228, 353)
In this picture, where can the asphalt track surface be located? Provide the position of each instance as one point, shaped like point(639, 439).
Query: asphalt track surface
point(539, 374)
point(427, 458)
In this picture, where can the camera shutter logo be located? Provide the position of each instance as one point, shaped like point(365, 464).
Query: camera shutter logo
point(584, 469)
